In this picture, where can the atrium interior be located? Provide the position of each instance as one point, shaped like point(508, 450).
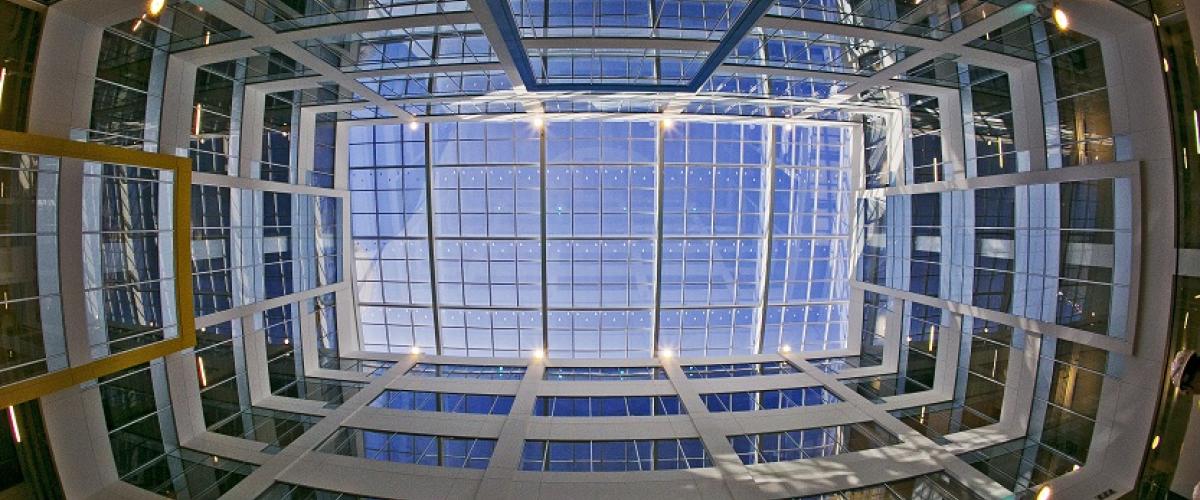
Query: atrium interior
point(518, 249)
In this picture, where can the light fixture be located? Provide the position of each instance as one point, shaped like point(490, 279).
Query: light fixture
point(12, 421)
point(1060, 18)
point(665, 353)
point(1044, 493)
point(538, 353)
point(3, 76)
point(785, 348)
point(1166, 66)
point(1074, 467)
point(538, 122)
point(667, 123)
point(413, 125)
point(138, 23)
point(1196, 127)
point(207, 37)
point(200, 369)
point(196, 123)
point(414, 350)
point(1154, 443)
point(156, 6)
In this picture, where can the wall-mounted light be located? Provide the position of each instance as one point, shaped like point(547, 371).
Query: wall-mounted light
point(3, 76)
point(1154, 442)
point(1060, 17)
point(1044, 493)
point(200, 369)
point(155, 7)
point(196, 121)
point(12, 421)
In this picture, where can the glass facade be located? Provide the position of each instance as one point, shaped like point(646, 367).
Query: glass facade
point(809, 443)
point(607, 406)
point(614, 456)
point(448, 402)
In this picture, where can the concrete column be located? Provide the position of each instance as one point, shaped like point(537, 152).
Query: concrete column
point(506, 460)
point(61, 100)
point(737, 477)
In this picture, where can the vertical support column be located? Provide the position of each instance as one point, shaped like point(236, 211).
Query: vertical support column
point(854, 325)
point(506, 460)
point(348, 325)
point(966, 109)
point(61, 101)
point(950, 112)
point(1019, 382)
point(659, 190)
point(430, 237)
point(250, 145)
point(175, 128)
point(1029, 127)
point(255, 342)
point(305, 144)
point(736, 476)
point(896, 124)
point(893, 339)
point(542, 202)
point(1041, 392)
point(949, 341)
point(307, 359)
point(764, 252)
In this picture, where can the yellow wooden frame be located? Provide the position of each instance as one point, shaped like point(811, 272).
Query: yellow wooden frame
point(38, 386)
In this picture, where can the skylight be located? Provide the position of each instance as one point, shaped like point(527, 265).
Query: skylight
point(601, 239)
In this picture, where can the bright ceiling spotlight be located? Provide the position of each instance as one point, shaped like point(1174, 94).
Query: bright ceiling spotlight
point(1060, 18)
point(538, 123)
point(413, 125)
point(667, 123)
point(538, 354)
point(414, 350)
point(665, 353)
point(156, 6)
point(785, 348)
point(1044, 493)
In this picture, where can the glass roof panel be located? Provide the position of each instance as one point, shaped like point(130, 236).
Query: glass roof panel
point(676, 19)
point(935, 20)
point(285, 15)
point(748, 83)
point(462, 83)
point(404, 48)
point(817, 52)
point(601, 239)
point(625, 66)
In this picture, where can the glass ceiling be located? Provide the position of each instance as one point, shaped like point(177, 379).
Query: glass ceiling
point(602, 239)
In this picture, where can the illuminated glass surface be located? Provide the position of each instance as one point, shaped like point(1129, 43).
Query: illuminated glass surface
point(601, 239)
